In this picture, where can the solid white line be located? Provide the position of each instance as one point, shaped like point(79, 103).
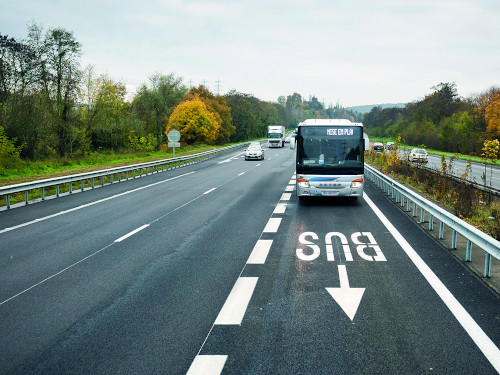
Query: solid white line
point(132, 233)
point(286, 196)
point(241, 174)
point(484, 343)
point(272, 225)
point(207, 365)
point(260, 252)
point(234, 308)
point(280, 208)
point(209, 191)
point(90, 204)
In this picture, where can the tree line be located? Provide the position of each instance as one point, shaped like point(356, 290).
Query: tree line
point(442, 120)
point(52, 107)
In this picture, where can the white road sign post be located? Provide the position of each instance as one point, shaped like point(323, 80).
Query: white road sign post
point(174, 136)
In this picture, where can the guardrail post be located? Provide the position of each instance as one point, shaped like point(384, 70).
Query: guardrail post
point(408, 204)
point(422, 215)
point(8, 201)
point(82, 185)
point(57, 190)
point(43, 193)
point(102, 180)
point(441, 230)
point(92, 182)
point(453, 239)
point(431, 222)
point(415, 207)
point(111, 178)
point(468, 252)
point(71, 187)
point(487, 265)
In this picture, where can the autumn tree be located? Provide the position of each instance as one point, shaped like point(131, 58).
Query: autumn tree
point(195, 122)
point(217, 105)
point(492, 115)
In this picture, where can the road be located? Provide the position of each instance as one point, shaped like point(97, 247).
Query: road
point(476, 173)
point(218, 268)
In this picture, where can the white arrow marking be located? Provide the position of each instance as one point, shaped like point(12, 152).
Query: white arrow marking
point(348, 298)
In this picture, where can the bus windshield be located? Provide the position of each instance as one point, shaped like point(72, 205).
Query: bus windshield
point(327, 149)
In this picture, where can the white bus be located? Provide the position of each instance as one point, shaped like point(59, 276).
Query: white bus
point(330, 158)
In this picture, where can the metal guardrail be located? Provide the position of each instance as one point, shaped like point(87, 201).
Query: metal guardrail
point(403, 195)
point(129, 171)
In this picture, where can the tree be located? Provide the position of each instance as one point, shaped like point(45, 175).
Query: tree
point(155, 102)
point(195, 122)
point(60, 75)
point(218, 106)
point(109, 111)
point(492, 115)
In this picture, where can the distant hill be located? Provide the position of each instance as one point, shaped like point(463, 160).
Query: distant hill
point(368, 108)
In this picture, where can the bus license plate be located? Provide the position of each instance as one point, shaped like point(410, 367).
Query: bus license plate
point(331, 193)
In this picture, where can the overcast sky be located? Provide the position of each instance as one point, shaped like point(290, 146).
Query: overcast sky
point(353, 51)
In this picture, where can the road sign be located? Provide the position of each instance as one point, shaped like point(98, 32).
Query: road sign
point(174, 144)
point(174, 136)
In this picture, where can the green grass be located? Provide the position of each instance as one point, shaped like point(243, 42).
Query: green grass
point(36, 170)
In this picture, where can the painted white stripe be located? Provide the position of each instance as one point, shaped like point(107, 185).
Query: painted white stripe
point(132, 233)
point(207, 365)
point(258, 165)
point(290, 188)
point(260, 252)
point(90, 204)
point(209, 191)
point(484, 343)
point(272, 225)
point(234, 308)
point(241, 174)
point(286, 196)
point(292, 182)
point(280, 208)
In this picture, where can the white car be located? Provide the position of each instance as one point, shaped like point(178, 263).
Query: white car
point(418, 154)
point(254, 151)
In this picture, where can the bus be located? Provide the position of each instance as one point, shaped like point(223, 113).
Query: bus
point(330, 158)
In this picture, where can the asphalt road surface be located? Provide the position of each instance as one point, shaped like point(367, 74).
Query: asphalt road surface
point(217, 268)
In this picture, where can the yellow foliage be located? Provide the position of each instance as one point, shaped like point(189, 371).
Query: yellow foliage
point(195, 122)
point(492, 115)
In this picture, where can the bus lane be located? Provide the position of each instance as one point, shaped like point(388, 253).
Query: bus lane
point(338, 294)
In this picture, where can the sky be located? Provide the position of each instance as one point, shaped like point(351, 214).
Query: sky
point(351, 52)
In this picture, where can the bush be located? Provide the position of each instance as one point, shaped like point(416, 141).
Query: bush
point(9, 152)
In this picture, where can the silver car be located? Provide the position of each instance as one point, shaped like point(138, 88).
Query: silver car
point(254, 151)
point(418, 154)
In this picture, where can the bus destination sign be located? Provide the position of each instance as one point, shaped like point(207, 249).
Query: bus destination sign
point(340, 131)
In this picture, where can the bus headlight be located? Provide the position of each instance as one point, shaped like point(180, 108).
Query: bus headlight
point(303, 183)
point(355, 184)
